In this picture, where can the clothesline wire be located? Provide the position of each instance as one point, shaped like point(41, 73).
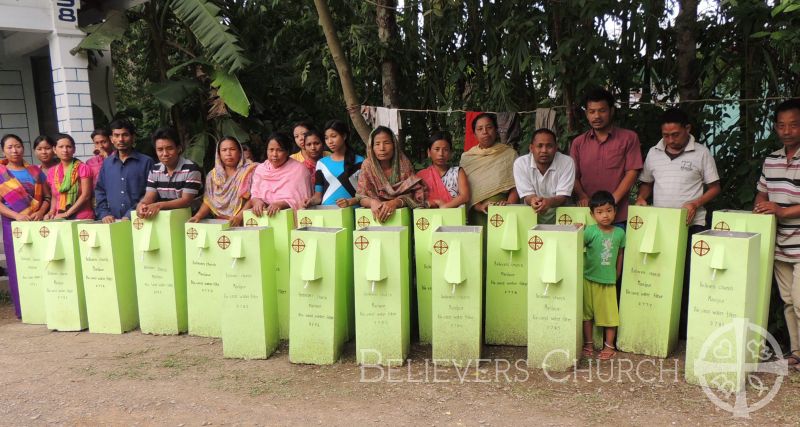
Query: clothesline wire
point(396, 7)
point(557, 107)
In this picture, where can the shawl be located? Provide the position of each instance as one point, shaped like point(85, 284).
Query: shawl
point(225, 195)
point(18, 196)
point(402, 184)
point(290, 182)
point(433, 180)
point(489, 171)
point(67, 187)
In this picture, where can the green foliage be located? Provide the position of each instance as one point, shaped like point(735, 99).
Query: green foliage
point(204, 20)
point(231, 91)
point(172, 92)
point(100, 36)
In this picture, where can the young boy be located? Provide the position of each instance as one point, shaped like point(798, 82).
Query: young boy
point(602, 265)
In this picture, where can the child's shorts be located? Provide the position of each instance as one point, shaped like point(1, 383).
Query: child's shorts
point(600, 303)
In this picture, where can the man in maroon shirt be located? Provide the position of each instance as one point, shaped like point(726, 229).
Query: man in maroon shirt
point(606, 157)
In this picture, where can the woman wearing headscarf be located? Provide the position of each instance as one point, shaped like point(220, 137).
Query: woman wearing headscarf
point(490, 169)
point(387, 181)
point(228, 184)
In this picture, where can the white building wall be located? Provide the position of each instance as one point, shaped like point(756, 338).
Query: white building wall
point(17, 103)
point(71, 79)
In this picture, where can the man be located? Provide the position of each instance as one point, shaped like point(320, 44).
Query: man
point(122, 179)
point(779, 195)
point(606, 157)
point(545, 177)
point(173, 183)
point(677, 169)
point(680, 173)
point(102, 149)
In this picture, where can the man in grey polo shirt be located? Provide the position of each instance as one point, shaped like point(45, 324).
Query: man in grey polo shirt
point(545, 177)
point(680, 173)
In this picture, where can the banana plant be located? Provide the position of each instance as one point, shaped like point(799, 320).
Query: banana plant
point(222, 54)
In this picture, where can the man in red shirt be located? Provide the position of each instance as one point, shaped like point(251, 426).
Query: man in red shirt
point(606, 157)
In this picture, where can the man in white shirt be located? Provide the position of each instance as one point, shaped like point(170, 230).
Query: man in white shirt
point(680, 173)
point(545, 177)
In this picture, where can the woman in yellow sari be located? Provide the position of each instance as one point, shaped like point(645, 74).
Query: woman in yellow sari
point(489, 168)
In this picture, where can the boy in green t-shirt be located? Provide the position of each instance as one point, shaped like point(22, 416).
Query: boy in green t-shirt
point(602, 265)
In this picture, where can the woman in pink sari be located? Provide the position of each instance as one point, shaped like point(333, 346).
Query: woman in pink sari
point(279, 182)
point(448, 186)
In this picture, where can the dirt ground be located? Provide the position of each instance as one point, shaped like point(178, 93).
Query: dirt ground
point(135, 379)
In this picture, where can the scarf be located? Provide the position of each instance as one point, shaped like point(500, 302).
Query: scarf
point(225, 195)
point(490, 171)
point(20, 197)
point(67, 188)
point(402, 184)
point(290, 182)
point(433, 180)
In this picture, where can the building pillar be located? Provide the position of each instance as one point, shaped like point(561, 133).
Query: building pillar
point(71, 80)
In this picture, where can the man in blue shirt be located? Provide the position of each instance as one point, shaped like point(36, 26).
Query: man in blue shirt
point(123, 177)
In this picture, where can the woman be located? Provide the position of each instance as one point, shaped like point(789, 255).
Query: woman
point(43, 148)
point(279, 182)
point(490, 169)
point(228, 184)
point(313, 150)
point(336, 176)
point(247, 153)
point(25, 197)
point(299, 132)
point(70, 183)
point(387, 180)
point(448, 187)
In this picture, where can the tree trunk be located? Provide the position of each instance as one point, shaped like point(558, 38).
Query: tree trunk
point(156, 20)
point(652, 31)
point(388, 37)
point(343, 67)
point(568, 89)
point(686, 41)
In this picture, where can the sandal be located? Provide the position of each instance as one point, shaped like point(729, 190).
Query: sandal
point(792, 358)
point(588, 349)
point(607, 353)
